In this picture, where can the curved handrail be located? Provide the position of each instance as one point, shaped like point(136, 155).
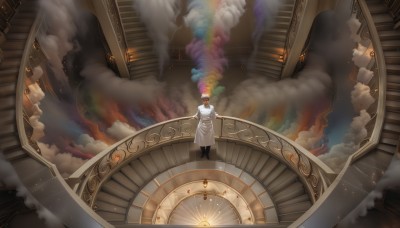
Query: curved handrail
point(381, 66)
point(335, 191)
point(314, 173)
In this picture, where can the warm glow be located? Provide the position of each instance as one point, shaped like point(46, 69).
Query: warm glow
point(131, 55)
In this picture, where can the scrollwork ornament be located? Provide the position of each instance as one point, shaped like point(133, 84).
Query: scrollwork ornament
point(116, 157)
point(229, 130)
point(152, 139)
point(304, 166)
point(103, 167)
point(314, 182)
point(263, 140)
point(291, 156)
point(186, 129)
point(168, 133)
point(92, 184)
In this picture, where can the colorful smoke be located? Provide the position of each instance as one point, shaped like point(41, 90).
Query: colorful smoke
point(211, 22)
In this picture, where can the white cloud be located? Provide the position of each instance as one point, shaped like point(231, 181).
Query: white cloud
point(361, 97)
point(354, 25)
point(65, 162)
point(339, 153)
point(35, 93)
point(364, 75)
point(361, 58)
point(122, 90)
point(37, 73)
point(38, 127)
point(311, 84)
point(120, 130)
point(309, 139)
point(159, 16)
point(88, 144)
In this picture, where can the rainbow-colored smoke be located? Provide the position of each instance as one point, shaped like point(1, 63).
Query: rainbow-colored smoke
point(211, 22)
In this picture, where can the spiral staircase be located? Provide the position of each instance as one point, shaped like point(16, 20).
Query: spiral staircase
point(292, 199)
point(269, 57)
point(144, 62)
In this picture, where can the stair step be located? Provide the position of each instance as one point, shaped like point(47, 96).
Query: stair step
point(285, 13)
point(387, 148)
point(6, 79)
point(281, 18)
point(134, 30)
point(129, 17)
point(9, 71)
point(133, 24)
point(290, 217)
point(377, 8)
point(393, 105)
point(13, 45)
point(282, 25)
point(277, 31)
point(276, 37)
point(7, 129)
point(295, 189)
point(125, 181)
point(7, 90)
point(265, 65)
point(393, 95)
point(21, 21)
point(384, 27)
point(392, 142)
point(13, 53)
point(15, 155)
point(297, 207)
point(126, 8)
point(388, 45)
point(392, 57)
point(287, 7)
point(393, 69)
point(11, 63)
point(392, 117)
point(389, 35)
point(270, 50)
point(269, 61)
point(382, 18)
point(393, 128)
point(272, 43)
point(389, 135)
point(393, 79)
point(17, 36)
point(267, 73)
point(7, 102)
point(20, 29)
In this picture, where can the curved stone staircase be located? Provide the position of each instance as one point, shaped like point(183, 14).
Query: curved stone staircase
point(269, 58)
point(356, 179)
point(282, 184)
point(9, 69)
point(363, 173)
point(137, 39)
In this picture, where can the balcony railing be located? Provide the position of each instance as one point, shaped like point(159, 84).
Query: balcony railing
point(315, 175)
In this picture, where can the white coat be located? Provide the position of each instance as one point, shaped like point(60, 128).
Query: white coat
point(205, 129)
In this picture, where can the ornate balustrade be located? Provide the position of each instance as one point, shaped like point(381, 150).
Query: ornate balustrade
point(369, 34)
point(314, 174)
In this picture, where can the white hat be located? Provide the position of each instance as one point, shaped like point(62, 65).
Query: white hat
point(205, 95)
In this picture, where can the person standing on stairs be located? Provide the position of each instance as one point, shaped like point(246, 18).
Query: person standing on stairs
point(205, 130)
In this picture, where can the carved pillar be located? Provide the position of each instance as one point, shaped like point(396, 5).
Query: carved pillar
point(108, 16)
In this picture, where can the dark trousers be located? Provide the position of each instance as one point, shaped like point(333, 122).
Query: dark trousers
point(205, 150)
